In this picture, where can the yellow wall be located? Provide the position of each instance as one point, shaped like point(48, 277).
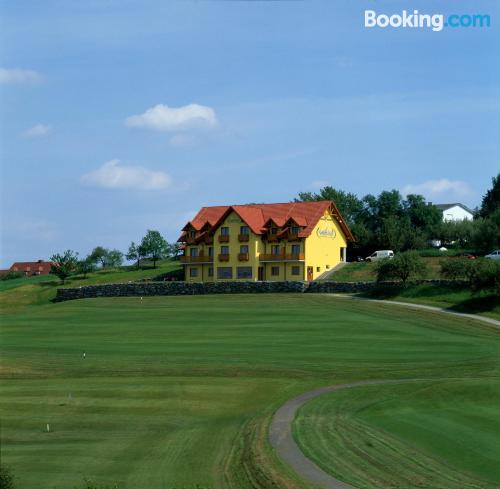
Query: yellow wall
point(323, 251)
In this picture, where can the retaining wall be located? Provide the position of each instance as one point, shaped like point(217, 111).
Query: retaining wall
point(145, 289)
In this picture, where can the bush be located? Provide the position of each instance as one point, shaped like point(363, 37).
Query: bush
point(6, 478)
point(12, 275)
point(457, 269)
point(402, 267)
point(485, 276)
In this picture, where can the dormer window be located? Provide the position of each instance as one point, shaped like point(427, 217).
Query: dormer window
point(295, 229)
point(192, 234)
point(274, 230)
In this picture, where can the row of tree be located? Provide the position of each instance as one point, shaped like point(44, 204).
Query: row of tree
point(391, 221)
point(153, 246)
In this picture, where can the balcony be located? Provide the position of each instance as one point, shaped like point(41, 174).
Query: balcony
point(208, 240)
point(197, 259)
point(243, 238)
point(271, 238)
point(224, 238)
point(190, 240)
point(223, 257)
point(282, 257)
point(243, 256)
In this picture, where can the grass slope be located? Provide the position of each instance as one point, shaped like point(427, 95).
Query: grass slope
point(178, 391)
point(424, 434)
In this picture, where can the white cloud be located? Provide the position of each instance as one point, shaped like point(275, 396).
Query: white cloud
point(164, 118)
point(37, 131)
point(437, 188)
point(114, 175)
point(17, 76)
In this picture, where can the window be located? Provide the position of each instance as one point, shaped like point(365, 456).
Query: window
point(210, 251)
point(318, 269)
point(275, 249)
point(193, 272)
point(295, 249)
point(224, 231)
point(275, 271)
point(295, 230)
point(193, 252)
point(274, 230)
point(224, 272)
point(210, 271)
point(296, 270)
point(244, 249)
point(192, 234)
point(244, 230)
point(224, 250)
point(244, 272)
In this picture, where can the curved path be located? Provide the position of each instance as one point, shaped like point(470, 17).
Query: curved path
point(280, 431)
point(280, 435)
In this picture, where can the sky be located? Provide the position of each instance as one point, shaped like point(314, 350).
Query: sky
point(120, 116)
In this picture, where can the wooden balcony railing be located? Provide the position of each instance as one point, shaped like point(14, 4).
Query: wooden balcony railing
point(223, 257)
point(224, 238)
point(243, 257)
point(242, 238)
point(197, 259)
point(271, 238)
point(190, 240)
point(282, 257)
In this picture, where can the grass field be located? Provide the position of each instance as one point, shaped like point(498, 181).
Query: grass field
point(425, 434)
point(179, 391)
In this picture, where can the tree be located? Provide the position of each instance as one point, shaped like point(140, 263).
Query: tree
point(64, 265)
point(491, 200)
point(99, 255)
point(6, 478)
point(85, 266)
point(402, 267)
point(486, 232)
point(154, 246)
point(114, 258)
point(174, 250)
point(135, 253)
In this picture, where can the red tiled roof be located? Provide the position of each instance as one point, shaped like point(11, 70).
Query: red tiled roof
point(42, 267)
point(256, 216)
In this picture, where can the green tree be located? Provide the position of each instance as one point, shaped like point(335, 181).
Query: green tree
point(486, 232)
point(64, 265)
point(135, 253)
point(491, 200)
point(86, 266)
point(402, 267)
point(154, 246)
point(99, 255)
point(113, 258)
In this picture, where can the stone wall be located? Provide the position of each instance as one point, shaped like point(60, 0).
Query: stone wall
point(144, 289)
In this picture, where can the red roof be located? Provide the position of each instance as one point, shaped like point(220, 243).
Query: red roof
point(38, 267)
point(258, 216)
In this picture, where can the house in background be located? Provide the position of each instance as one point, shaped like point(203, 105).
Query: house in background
point(290, 241)
point(29, 268)
point(455, 212)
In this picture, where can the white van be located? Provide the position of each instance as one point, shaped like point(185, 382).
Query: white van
point(380, 254)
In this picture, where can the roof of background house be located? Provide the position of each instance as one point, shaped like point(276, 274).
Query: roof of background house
point(32, 266)
point(445, 207)
point(256, 216)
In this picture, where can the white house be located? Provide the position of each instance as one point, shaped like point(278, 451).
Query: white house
point(455, 212)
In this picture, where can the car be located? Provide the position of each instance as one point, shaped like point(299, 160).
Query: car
point(494, 255)
point(379, 254)
point(469, 256)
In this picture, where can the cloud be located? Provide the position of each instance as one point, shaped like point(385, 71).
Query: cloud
point(319, 184)
point(37, 131)
point(164, 118)
point(116, 176)
point(438, 188)
point(16, 76)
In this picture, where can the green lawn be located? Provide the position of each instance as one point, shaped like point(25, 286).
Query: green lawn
point(179, 391)
point(424, 434)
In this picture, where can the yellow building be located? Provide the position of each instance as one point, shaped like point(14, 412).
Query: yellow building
point(292, 241)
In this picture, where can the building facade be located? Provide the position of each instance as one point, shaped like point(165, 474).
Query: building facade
point(275, 242)
point(455, 212)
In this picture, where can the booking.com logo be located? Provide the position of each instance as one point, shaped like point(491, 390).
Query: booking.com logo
point(436, 22)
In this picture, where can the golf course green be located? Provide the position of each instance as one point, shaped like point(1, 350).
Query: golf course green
point(175, 392)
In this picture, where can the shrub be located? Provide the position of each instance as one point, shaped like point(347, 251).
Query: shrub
point(485, 276)
point(402, 267)
point(457, 269)
point(12, 275)
point(6, 478)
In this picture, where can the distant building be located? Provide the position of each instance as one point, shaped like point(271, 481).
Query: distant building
point(455, 212)
point(29, 268)
point(292, 241)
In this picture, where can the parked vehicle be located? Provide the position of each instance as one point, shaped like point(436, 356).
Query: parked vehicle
point(377, 255)
point(494, 255)
point(469, 256)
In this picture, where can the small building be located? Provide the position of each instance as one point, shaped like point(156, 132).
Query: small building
point(29, 268)
point(455, 212)
point(290, 241)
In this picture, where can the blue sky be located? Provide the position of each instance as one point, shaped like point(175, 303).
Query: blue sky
point(248, 102)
